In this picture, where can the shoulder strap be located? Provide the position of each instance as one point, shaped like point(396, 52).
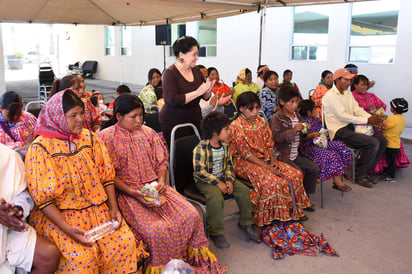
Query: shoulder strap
point(7, 130)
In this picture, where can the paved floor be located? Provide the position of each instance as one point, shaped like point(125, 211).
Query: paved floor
point(369, 228)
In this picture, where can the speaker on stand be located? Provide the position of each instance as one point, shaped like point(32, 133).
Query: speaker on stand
point(163, 38)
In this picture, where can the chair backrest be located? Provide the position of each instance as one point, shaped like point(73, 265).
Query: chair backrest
point(310, 93)
point(152, 120)
point(181, 157)
point(89, 67)
point(46, 74)
point(35, 110)
point(230, 110)
point(323, 118)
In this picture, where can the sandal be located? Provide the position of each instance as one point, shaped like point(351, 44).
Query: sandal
point(303, 218)
point(310, 208)
point(344, 188)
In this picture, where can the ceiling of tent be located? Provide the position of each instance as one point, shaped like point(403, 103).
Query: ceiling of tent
point(135, 12)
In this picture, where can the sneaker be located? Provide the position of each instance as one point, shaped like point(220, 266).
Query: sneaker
point(219, 241)
point(364, 182)
point(389, 179)
point(251, 233)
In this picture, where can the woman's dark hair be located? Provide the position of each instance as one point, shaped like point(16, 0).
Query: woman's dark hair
point(210, 69)
point(247, 99)
point(95, 99)
point(286, 72)
point(287, 93)
point(122, 89)
point(71, 100)
point(11, 101)
point(63, 83)
point(268, 74)
point(247, 71)
point(325, 73)
point(150, 75)
point(358, 79)
point(183, 45)
point(125, 103)
point(214, 122)
point(159, 92)
point(305, 106)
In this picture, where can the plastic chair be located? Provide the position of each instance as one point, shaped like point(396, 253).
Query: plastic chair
point(152, 120)
point(34, 111)
point(230, 110)
point(181, 171)
point(46, 79)
point(310, 93)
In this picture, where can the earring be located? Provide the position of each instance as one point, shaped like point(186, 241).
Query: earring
point(180, 59)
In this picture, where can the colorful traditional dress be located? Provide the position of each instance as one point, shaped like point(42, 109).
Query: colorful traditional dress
point(148, 96)
point(172, 231)
point(242, 87)
point(220, 88)
point(317, 96)
point(272, 195)
point(269, 101)
point(370, 102)
point(91, 114)
point(331, 160)
point(20, 130)
point(71, 172)
point(293, 84)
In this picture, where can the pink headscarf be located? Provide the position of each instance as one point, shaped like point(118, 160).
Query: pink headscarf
point(51, 122)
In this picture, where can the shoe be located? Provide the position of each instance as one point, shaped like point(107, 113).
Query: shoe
point(303, 218)
point(373, 180)
point(251, 233)
point(389, 179)
point(219, 241)
point(364, 182)
point(344, 188)
point(310, 208)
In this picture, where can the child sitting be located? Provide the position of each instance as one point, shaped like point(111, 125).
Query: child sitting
point(394, 126)
point(214, 177)
point(287, 128)
point(331, 159)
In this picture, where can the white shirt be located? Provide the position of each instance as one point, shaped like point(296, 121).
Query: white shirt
point(341, 110)
point(260, 82)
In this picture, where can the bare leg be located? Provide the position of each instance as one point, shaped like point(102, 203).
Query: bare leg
point(338, 180)
point(46, 256)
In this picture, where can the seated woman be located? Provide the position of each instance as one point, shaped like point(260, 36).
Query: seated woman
point(332, 158)
point(268, 96)
point(219, 88)
point(274, 183)
point(93, 119)
point(70, 178)
point(16, 125)
point(370, 103)
point(287, 80)
point(324, 86)
point(148, 94)
point(244, 83)
point(172, 229)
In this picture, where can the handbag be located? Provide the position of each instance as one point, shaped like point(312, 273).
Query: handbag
point(364, 129)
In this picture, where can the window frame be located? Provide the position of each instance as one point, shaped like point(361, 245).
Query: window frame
point(109, 50)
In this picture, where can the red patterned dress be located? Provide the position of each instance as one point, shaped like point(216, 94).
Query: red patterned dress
point(172, 231)
point(272, 196)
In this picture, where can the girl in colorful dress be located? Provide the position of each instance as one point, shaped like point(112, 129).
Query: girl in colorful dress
point(278, 192)
point(16, 125)
point(332, 159)
point(171, 229)
point(150, 94)
point(269, 94)
point(71, 180)
point(370, 102)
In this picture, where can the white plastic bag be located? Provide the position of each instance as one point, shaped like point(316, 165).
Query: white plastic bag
point(322, 140)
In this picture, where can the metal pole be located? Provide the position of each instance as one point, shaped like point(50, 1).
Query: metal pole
point(262, 21)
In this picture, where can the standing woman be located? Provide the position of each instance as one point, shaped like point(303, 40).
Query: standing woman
point(326, 83)
point(183, 87)
point(148, 93)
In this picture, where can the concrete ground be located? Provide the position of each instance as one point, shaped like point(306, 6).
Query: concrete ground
point(369, 228)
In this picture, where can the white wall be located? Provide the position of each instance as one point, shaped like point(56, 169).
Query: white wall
point(2, 78)
point(238, 47)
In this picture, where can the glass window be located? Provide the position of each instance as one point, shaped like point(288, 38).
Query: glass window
point(310, 33)
point(207, 37)
point(178, 30)
point(126, 40)
point(374, 31)
point(109, 40)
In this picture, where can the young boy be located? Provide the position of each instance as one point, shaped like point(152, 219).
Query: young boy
point(287, 128)
point(214, 177)
point(394, 125)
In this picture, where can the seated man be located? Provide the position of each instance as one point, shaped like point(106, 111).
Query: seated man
point(342, 113)
point(20, 246)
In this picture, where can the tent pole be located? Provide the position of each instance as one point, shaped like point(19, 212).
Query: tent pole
point(262, 22)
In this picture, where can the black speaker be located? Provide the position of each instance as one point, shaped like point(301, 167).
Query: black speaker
point(163, 35)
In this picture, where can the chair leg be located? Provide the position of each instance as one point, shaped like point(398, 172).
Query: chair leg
point(321, 194)
point(353, 170)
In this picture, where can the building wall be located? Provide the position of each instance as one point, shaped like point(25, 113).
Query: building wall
point(2, 80)
point(238, 47)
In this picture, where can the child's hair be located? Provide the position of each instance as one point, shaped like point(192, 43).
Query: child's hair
point(305, 106)
point(287, 93)
point(247, 99)
point(95, 99)
point(400, 105)
point(123, 89)
point(286, 72)
point(214, 122)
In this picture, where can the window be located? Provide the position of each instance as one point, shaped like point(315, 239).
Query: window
point(310, 33)
point(207, 37)
point(178, 30)
point(374, 32)
point(126, 41)
point(109, 40)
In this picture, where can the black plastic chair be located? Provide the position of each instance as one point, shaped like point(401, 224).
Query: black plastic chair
point(230, 110)
point(35, 111)
point(152, 120)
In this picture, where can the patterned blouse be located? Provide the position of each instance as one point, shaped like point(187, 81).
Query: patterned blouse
point(20, 130)
point(91, 114)
point(269, 101)
point(148, 96)
point(368, 101)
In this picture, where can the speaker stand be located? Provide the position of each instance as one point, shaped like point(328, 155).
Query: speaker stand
point(164, 58)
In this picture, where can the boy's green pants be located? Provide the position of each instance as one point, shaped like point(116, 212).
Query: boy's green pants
point(215, 204)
